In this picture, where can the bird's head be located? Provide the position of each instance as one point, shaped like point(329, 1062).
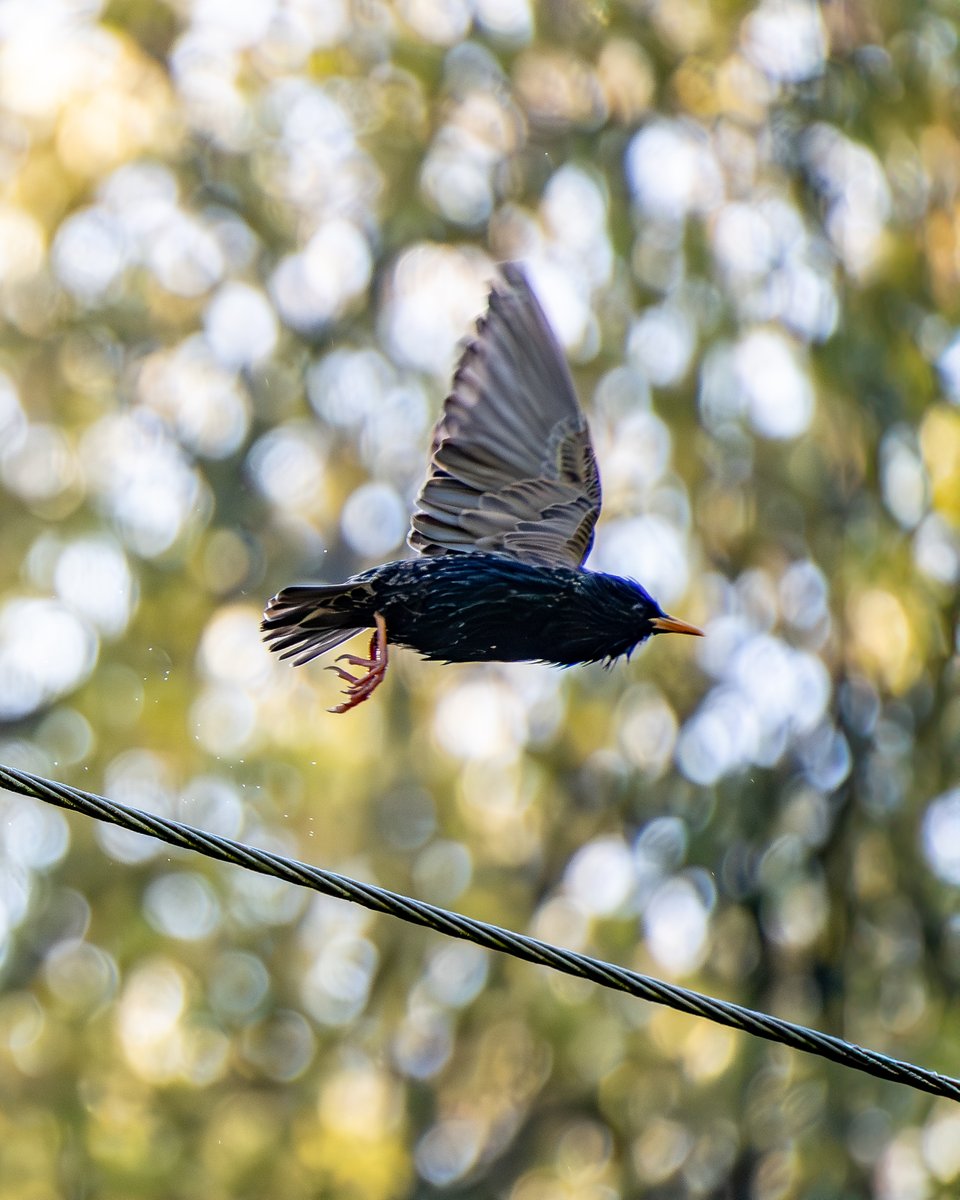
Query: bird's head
point(648, 613)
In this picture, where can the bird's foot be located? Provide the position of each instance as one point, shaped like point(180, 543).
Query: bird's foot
point(362, 687)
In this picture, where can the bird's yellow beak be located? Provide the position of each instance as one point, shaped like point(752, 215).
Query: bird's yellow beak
point(672, 625)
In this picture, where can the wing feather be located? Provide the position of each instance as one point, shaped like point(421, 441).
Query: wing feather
point(512, 467)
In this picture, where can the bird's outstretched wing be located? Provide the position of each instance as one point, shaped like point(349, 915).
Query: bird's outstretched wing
point(512, 468)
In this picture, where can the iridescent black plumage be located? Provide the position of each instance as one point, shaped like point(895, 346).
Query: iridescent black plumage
point(472, 608)
point(503, 524)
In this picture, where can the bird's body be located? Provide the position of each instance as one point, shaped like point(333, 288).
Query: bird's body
point(482, 608)
point(502, 525)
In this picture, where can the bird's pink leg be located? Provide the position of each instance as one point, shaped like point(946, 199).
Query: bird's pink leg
point(361, 687)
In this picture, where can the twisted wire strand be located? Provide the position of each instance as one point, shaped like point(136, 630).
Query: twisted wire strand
point(492, 937)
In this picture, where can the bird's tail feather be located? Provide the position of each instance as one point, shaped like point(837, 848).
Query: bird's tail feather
point(304, 621)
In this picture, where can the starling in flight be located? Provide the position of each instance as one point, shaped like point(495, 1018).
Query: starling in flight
point(502, 526)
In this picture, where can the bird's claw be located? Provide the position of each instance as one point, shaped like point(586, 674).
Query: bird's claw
point(355, 660)
point(361, 687)
point(342, 674)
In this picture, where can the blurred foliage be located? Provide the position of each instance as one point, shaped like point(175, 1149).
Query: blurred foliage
point(238, 244)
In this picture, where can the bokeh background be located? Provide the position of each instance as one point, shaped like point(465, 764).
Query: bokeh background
point(238, 245)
